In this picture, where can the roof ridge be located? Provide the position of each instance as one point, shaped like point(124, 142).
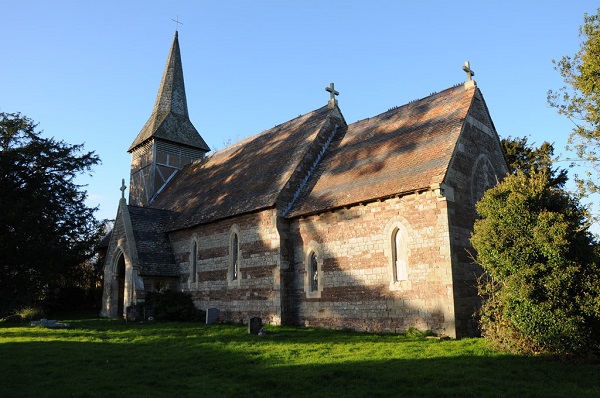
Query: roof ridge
point(263, 132)
point(311, 170)
point(412, 102)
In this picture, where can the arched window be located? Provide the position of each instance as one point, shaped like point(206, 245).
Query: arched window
point(234, 260)
point(120, 285)
point(313, 273)
point(399, 256)
point(235, 253)
point(483, 177)
point(314, 277)
point(194, 262)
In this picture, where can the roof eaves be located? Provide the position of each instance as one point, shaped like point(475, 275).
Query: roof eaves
point(303, 214)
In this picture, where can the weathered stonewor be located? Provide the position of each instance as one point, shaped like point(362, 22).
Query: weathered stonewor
point(256, 291)
point(315, 221)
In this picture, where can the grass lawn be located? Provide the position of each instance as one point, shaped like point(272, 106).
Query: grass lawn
point(108, 358)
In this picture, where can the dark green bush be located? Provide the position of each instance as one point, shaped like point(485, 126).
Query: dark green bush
point(171, 305)
point(541, 287)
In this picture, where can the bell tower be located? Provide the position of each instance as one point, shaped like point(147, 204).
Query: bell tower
point(168, 141)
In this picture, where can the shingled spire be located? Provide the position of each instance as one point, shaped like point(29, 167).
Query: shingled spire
point(168, 141)
point(170, 119)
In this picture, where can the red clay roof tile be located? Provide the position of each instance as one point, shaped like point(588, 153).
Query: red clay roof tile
point(402, 150)
point(242, 178)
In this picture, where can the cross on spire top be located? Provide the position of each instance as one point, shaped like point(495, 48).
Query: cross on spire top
point(332, 101)
point(176, 22)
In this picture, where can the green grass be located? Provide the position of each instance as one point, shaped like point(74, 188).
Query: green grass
point(107, 358)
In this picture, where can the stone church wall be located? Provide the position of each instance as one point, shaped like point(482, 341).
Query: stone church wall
point(256, 290)
point(118, 246)
point(478, 165)
point(119, 286)
point(357, 288)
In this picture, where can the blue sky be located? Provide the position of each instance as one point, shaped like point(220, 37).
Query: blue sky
point(88, 72)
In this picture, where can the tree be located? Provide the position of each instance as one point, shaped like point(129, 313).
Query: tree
point(541, 286)
point(520, 156)
point(579, 100)
point(46, 231)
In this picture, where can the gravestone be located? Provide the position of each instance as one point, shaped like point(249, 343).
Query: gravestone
point(51, 324)
point(132, 313)
point(255, 325)
point(212, 316)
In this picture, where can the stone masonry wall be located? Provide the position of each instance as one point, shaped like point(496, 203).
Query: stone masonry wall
point(118, 245)
point(358, 290)
point(256, 292)
point(478, 165)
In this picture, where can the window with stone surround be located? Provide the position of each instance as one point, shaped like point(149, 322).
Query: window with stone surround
point(399, 256)
point(234, 274)
point(235, 261)
point(194, 262)
point(313, 280)
point(313, 273)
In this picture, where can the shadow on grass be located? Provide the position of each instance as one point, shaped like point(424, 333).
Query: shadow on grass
point(190, 360)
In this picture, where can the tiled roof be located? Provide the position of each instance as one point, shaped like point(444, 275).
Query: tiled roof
point(155, 253)
point(402, 150)
point(242, 178)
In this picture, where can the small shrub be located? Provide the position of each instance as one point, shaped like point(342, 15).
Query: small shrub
point(27, 314)
point(170, 305)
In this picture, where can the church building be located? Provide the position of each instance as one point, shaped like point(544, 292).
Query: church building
point(314, 222)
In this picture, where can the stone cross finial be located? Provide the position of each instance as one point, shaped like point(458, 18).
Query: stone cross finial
point(333, 93)
point(467, 68)
point(123, 187)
